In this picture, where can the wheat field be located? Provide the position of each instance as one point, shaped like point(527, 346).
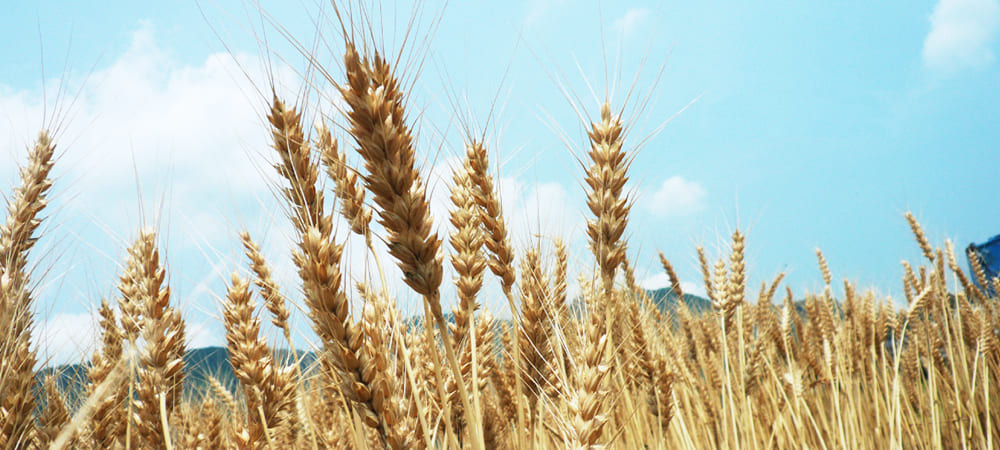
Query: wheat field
point(762, 368)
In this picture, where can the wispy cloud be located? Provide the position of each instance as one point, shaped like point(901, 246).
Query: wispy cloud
point(538, 9)
point(632, 21)
point(962, 35)
point(677, 197)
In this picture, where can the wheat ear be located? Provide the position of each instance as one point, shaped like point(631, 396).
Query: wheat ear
point(273, 299)
point(161, 369)
point(466, 243)
point(376, 114)
point(824, 268)
point(918, 233)
point(352, 198)
point(377, 122)
point(17, 360)
point(318, 261)
point(586, 401)
point(55, 415)
point(268, 389)
point(501, 261)
point(675, 282)
point(106, 424)
point(535, 326)
point(606, 177)
point(379, 322)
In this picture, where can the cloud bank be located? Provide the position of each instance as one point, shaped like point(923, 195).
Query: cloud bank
point(184, 147)
point(962, 35)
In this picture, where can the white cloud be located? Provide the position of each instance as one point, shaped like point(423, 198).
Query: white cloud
point(72, 338)
point(66, 338)
point(657, 281)
point(962, 34)
point(198, 335)
point(661, 280)
point(190, 137)
point(691, 287)
point(544, 210)
point(629, 23)
point(677, 197)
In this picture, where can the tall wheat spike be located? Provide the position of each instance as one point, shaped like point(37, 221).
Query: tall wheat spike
point(352, 198)
point(501, 261)
point(55, 416)
point(318, 260)
point(466, 242)
point(106, 425)
point(379, 323)
point(269, 389)
point(273, 298)
point(17, 236)
point(587, 397)
point(606, 178)
point(161, 362)
point(377, 118)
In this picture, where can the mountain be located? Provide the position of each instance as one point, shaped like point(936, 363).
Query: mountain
point(199, 364)
point(667, 301)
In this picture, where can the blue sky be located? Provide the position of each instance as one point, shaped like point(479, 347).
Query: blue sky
point(813, 125)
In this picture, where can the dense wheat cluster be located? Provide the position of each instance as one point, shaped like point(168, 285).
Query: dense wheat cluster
point(612, 368)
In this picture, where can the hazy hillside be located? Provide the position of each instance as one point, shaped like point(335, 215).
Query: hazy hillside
point(199, 364)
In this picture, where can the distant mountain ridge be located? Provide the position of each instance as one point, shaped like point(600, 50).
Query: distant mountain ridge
point(667, 301)
point(200, 363)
